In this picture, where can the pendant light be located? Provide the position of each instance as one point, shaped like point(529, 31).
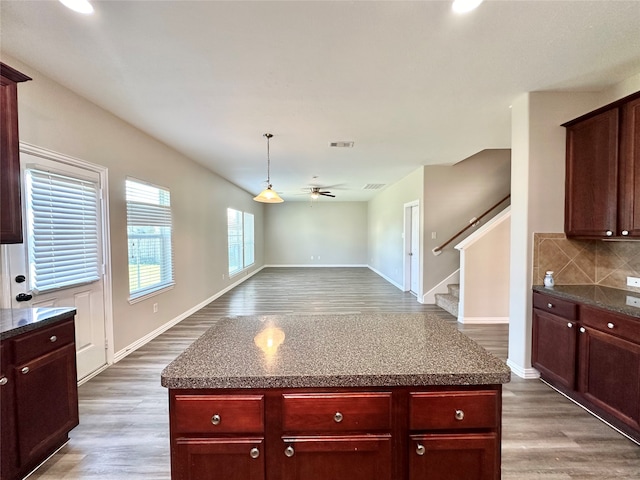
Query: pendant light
point(268, 195)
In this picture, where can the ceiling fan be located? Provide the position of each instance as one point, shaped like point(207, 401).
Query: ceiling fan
point(317, 191)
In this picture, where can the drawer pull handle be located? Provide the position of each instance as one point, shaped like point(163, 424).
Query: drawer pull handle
point(4, 381)
point(608, 233)
point(216, 419)
point(582, 330)
point(53, 338)
point(254, 453)
point(420, 449)
point(25, 370)
point(289, 451)
point(625, 232)
point(570, 325)
point(550, 305)
point(338, 417)
point(610, 325)
point(459, 415)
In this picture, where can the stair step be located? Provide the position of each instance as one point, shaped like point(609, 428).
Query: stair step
point(454, 289)
point(448, 302)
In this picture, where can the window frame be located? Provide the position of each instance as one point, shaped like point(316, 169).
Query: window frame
point(244, 242)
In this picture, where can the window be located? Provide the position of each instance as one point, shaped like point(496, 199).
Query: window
point(63, 240)
point(149, 234)
point(241, 240)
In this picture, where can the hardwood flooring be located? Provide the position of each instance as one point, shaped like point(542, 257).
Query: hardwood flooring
point(123, 431)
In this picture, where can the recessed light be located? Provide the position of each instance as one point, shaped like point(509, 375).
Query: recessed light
point(464, 6)
point(80, 6)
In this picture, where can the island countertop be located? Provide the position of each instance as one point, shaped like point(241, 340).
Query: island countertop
point(292, 351)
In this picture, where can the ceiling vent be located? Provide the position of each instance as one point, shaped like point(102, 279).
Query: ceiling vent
point(341, 144)
point(373, 186)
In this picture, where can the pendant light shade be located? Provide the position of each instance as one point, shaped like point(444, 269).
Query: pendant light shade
point(268, 195)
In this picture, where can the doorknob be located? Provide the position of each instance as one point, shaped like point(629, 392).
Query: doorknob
point(23, 297)
point(20, 278)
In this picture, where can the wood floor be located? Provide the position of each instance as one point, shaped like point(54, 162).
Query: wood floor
point(123, 431)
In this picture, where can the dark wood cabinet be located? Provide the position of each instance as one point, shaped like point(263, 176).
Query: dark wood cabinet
point(11, 211)
point(601, 184)
point(595, 361)
point(338, 434)
point(40, 405)
point(554, 339)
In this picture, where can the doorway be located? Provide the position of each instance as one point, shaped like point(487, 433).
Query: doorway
point(412, 248)
point(62, 260)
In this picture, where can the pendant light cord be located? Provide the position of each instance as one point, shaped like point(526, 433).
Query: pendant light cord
point(268, 135)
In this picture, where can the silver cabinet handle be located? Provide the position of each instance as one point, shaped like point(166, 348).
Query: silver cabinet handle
point(338, 417)
point(625, 232)
point(608, 233)
point(610, 325)
point(4, 381)
point(420, 449)
point(570, 325)
point(254, 453)
point(289, 451)
point(25, 370)
point(216, 419)
point(53, 338)
point(549, 305)
point(459, 415)
point(582, 330)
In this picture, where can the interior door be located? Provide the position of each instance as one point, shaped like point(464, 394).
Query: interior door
point(86, 297)
point(415, 249)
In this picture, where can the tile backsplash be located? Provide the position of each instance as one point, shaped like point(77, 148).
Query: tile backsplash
point(579, 262)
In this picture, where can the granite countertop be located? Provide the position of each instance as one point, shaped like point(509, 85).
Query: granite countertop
point(287, 351)
point(15, 321)
point(621, 301)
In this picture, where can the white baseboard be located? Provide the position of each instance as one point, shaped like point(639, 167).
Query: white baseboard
point(119, 355)
point(304, 265)
point(526, 373)
point(430, 296)
point(385, 277)
point(483, 320)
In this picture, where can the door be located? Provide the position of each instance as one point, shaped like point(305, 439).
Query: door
point(415, 249)
point(30, 268)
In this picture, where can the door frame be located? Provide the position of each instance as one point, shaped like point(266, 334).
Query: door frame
point(102, 172)
point(406, 263)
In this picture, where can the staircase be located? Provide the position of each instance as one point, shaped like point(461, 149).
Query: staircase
point(449, 301)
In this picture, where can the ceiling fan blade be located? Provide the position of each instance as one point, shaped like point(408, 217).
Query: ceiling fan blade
point(327, 194)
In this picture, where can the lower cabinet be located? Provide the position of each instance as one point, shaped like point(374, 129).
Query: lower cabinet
point(39, 398)
point(593, 356)
point(342, 434)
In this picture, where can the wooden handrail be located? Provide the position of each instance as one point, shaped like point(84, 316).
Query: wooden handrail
point(438, 250)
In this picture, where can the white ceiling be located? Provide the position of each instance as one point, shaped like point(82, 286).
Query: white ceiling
point(411, 83)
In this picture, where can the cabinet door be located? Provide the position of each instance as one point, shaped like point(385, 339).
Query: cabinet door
point(8, 454)
point(218, 459)
point(46, 402)
point(355, 457)
point(446, 457)
point(554, 348)
point(592, 176)
point(629, 201)
point(610, 374)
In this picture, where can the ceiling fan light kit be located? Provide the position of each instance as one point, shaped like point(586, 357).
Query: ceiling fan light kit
point(268, 195)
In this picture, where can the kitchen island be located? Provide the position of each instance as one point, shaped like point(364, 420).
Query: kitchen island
point(384, 396)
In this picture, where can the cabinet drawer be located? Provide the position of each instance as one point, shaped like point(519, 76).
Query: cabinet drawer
point(339, 412)
point(557, 306)
point(219, 413)
point(30, 345)
point(453, 410)
point(620, 325)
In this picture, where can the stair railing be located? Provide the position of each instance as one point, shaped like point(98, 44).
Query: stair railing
point(438, 250)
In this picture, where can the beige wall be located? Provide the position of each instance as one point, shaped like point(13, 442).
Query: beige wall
point(386, 225)
point(57, 119)
point(452, 196)
point(332, 232)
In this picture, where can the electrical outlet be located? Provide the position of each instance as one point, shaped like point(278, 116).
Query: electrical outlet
point(318, 257)
point(433, 235)
point(311, 257)
point(633, 281)
point(633, 301)
point(155, 308)
point(223, 276)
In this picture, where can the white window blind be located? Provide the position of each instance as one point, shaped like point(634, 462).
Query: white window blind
point(241, 240)
point(149, 232)
point(63, 243)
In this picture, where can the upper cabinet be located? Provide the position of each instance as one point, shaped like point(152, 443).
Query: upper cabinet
point(603, 172)
point(11, 212)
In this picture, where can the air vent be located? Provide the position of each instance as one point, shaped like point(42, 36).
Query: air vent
point(373, 186)
point(341, 144)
